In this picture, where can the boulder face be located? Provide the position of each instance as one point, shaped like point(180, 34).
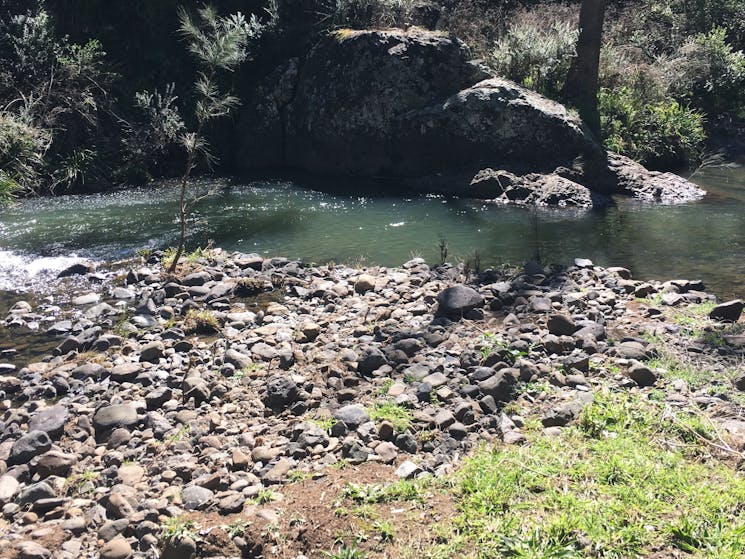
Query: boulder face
point(413, 106)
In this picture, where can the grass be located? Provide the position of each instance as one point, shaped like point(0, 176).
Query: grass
point(265, 496)
point(201, 321)
point(178, 528)
point(631, 478)
point(188, 260)
point(397, 415)
point(374, 493)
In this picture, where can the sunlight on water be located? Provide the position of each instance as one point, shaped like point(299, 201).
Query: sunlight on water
point(701, 240)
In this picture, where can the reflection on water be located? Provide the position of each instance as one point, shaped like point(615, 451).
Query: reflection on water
point(699, 240)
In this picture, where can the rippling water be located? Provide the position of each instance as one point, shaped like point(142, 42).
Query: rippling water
point(703, 240)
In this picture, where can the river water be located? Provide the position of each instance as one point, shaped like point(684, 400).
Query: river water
point(702, 240)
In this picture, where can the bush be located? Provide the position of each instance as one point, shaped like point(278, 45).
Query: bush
point(22, 148)
point(708, 73)
point(535, 56)
point(660, 134)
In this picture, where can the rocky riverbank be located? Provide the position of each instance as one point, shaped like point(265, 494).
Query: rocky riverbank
point(199, 415)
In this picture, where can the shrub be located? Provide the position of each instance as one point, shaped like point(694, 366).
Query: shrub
point(660, 134)
point(22, 148)
point(536, 57)
point(708, 73)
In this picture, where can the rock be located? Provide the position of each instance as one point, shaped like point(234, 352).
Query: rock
point(35, 492)
point(51, 421)
point(727, 312)
point(88, 370)
point(53, 463)
point(130, 474)
point(119, 415)
point(457, 300)
point(561, 325)
point(371, 360)
point(87, 299)
point(364, 283)
point(179, 548)
point(641, 374)
point(118, 548)
point(408, 470)
point(77, 269)
point(434, 118)
point(281, 391)
point(195, 497)
point(237, 359)
point(122, 293)
point(499, 386)
point(352, 416)
point(583, 263)
point(386, 451)
point(8, 488)
point(152, 352)
point(31, 550)
point(28, 446)
point(279, 471)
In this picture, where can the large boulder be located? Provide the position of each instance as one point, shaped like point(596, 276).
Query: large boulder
point(414, 106)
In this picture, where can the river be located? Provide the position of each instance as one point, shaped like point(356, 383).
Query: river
point(701, 240)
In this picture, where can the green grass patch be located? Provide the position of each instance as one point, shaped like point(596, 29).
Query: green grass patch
point(373, 493)
point(399, 416)
point(626, 481)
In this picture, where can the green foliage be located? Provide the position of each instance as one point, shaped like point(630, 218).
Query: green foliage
point(398, 415)
point(176, 528)
point(201, 321)
point(536, 56)
point(237, 528)
point(344, 552)
point(371, 493)
point(708, 73)
point(622, 482)
point(22, 149)
point(661, 133)
point(217, 44)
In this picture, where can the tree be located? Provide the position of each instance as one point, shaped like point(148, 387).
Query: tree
point(217, 44)
point(581, 87)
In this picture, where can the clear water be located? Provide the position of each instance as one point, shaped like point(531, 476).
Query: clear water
point(702, 240)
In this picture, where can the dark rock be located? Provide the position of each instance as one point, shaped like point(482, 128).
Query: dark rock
point(728, 312)
point(35, 492)
point(352, 416)
point(152, 352)
point(77, 269)
point(561, 325)
point(281, 391)
point(50, 420)
point(642, 375)
point(370, 360)
point(28, 446)
point(119, 415)
point(499, 386)
point(459, 299)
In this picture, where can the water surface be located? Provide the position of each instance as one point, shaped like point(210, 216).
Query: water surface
point(702, 240)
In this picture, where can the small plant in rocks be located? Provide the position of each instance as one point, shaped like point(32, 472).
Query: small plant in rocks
point(201, 322)
point(344, 552)
point(397, 415)
point(178, 528)
point(237, 528)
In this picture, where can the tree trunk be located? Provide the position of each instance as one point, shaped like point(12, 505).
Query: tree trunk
point(581, 87)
